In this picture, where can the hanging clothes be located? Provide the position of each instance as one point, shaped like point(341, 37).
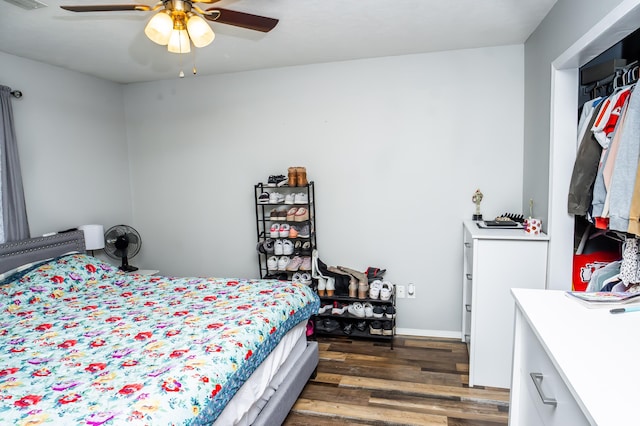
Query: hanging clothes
point(626, 165)
point(584, 170)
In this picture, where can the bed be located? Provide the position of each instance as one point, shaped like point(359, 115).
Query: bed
point(84, 343)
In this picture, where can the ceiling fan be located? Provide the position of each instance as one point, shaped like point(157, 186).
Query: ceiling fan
point(180, 22)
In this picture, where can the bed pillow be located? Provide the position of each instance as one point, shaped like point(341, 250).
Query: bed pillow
point(75, 268)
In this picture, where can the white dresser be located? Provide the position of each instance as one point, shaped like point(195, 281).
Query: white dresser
point(583, 360)
point(496, 260)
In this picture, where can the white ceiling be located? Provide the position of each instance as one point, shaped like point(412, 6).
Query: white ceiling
point(112, 45)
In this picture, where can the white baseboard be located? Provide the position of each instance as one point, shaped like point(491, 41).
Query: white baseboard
point(428, 333)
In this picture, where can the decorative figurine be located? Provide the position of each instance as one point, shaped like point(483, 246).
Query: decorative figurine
point(477, 199)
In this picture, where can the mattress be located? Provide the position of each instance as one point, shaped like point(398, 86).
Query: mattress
point(91, 345)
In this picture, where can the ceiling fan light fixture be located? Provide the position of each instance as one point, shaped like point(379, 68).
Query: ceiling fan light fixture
point(179, 42)
point(200, 32)
point(159, 28)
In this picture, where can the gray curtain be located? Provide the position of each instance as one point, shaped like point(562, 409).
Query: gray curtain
point(14, 209)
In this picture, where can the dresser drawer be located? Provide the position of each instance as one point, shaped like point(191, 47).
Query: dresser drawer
point(541, 380)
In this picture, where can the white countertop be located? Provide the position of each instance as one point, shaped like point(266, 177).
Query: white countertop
point(501, 233)
point(596, 353)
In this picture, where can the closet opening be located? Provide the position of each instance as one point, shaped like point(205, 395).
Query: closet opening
point(605, 86)
point(620, 24)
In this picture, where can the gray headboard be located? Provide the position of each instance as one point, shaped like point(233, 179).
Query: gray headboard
point(21, 252)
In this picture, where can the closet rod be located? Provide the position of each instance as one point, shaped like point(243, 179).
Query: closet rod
point(16, 94)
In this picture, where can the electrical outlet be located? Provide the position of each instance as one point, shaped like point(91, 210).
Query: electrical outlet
point(400, 293)
point(411, 291)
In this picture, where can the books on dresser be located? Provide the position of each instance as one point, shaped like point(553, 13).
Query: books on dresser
point(602, 299)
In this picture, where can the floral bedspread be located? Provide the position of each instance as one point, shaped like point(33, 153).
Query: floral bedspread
point(83, 343)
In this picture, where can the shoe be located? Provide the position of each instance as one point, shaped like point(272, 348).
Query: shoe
point(278, 249)
point(293, 176)
point(347, 328)
point(293, 232)
point(291, 214)
point(301, 215)
point(325, 309)
point(322, 288)
point(375, 273)
point(274, 231)
point(301, 175)
point(276, 180)
point(330, 325)
point(331, 286)
point(282, 263)
point(272, 264)
point(310, 328)
point(268, 246)
point(296, 277)
point(353, 287)
point(361, 325)
point(289, 199)
point(284, 230)
point(304, 231)
point(386, 291)
point(300, 198)
point(287, 247)
point(294, 264)
point(273, 215)
point(306, 261)
point(374, 289)
point(338, 309)
point(305, 249)
point(390, 312)
point(363, 283)
point(375, 328)
point(356, 309)
point(387, 328)
point(368, 310)
point(276, 198)
point(305, 278)
point(282, 213)
point(378, 311)
point(264, 198)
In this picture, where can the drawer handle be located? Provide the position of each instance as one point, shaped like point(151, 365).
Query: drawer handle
point(537, 381)
point(469, 277)
point(467, 245)
point(468, 308)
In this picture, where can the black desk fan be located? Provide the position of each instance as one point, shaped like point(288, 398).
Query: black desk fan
point(122, 242)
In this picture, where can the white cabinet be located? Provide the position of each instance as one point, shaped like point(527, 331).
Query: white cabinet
point(582, 360)
point(496, 260)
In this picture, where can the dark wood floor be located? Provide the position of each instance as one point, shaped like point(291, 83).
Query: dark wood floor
point(422, 381)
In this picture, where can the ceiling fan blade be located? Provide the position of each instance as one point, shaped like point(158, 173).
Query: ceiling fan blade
point(107, 8)
point(205, 1)
point(242, 19)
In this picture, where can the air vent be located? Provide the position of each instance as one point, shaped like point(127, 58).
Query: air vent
point(27, 4)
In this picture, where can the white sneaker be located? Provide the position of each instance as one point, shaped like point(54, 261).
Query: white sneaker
point(274, 231)
point(278, 249)
point(289, 199)
point(282, 263)
point(386, 291)
point(374, 289)
point(305, 278)
point(368, 310)
point(356, 309)
point(272, 264)
point(287, 247)
point(301, 198)
point(284, 230)
point(276, 198)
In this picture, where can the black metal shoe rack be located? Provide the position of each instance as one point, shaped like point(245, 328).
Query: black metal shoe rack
point(264, 221)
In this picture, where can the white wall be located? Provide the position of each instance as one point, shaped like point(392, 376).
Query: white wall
point(72, 146)
point(396, 146)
